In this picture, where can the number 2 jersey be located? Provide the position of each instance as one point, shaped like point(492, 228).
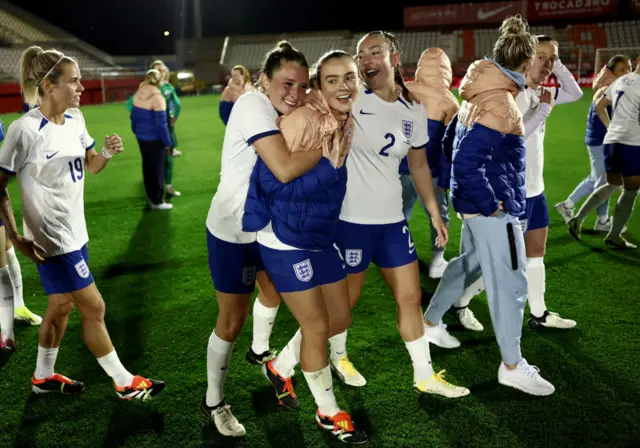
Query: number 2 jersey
point(384, 133)
point(49, 161)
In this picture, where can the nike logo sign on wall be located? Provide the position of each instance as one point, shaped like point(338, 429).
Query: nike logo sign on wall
point(366, 113)
point(51, 155)
point(482, 15)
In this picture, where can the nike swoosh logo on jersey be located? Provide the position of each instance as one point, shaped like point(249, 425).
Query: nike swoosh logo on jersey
point(482, 15)
point(366, 113)
point(51, 155)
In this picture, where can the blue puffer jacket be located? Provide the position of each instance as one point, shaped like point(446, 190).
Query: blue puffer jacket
point(595, 129)
point(434, 149)
point(488, 149)
point(444, 180)
point(304, 213)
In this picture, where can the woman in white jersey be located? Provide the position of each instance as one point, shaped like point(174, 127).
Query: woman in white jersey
point(622, 157)
point(372, 226)
point(49, 149)
point(297, 222)
point(7, 340)
point(535, 103)
point(234, 255)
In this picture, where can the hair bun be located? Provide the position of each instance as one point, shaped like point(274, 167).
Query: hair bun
point(513, 26)
point(284, 45)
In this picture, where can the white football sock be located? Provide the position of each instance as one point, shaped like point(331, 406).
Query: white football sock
point(623, 211)
point(338, 344)
point(114, 368)
point(46, 362)
point(568, 204)
point(420, 358)
point(289, 357)
point(437, 256)
point(599, 195)
point(469, 293)
point(536, 278)
point(263, 319)
point(16, 277)
point(6, 304)
point(321, 386)
point(218, 359)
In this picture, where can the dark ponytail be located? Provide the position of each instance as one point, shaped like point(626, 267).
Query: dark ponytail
point(273, 60)
point(394, 47)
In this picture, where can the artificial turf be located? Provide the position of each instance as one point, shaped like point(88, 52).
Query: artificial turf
point(151, 268)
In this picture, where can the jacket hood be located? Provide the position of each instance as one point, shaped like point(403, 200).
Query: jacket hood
point(486, 75)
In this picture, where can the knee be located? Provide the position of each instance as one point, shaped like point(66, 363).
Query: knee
point(316, 330)
point(94, 310)
point(409, 298)
point(230, 323)
point(61, 312)
point(270, 300)
point(340, 324)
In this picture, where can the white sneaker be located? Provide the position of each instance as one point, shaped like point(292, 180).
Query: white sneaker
point(526, 378)
point(436, 384)
point(551, 320)
point(606, 226)
point(564, 211)
point(436, 270)
point(439, 336)
point(176, 153)
point(161, 206)
point(347, 373)
point(224, 420)
point(172, 192)
point(468, 319)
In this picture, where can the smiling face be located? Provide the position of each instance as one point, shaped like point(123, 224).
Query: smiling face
point(376, 62)
point(546, 57)
point(288, 86)
point(66, 92)
point(339, 83)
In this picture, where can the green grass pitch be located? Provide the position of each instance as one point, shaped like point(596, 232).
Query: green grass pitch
point(151, 268)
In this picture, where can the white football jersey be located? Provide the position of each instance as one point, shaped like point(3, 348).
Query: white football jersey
point(49, 160)
point(384, 133)
point(534, 115)
point(252, 117)
point(529, 104)
point(624, 93)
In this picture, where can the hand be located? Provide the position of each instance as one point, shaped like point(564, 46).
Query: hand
point(331, 148)
point(497, 212)
point(443, 232)
point(173, 121)
point(113, 144)
point(29, 249)
point(545, 97)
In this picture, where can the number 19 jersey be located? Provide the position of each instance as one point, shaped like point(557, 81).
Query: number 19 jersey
point(49, 160)
point(384, 133)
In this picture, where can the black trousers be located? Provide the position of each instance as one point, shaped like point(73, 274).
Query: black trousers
point(153, 160)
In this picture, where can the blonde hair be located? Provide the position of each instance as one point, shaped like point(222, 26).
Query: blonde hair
point(38, 65)
point(515, 44)
point(160, 62)
point(242, 69)
point(152, 78)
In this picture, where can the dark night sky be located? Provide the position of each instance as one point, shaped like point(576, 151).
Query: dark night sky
point(135, 27)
